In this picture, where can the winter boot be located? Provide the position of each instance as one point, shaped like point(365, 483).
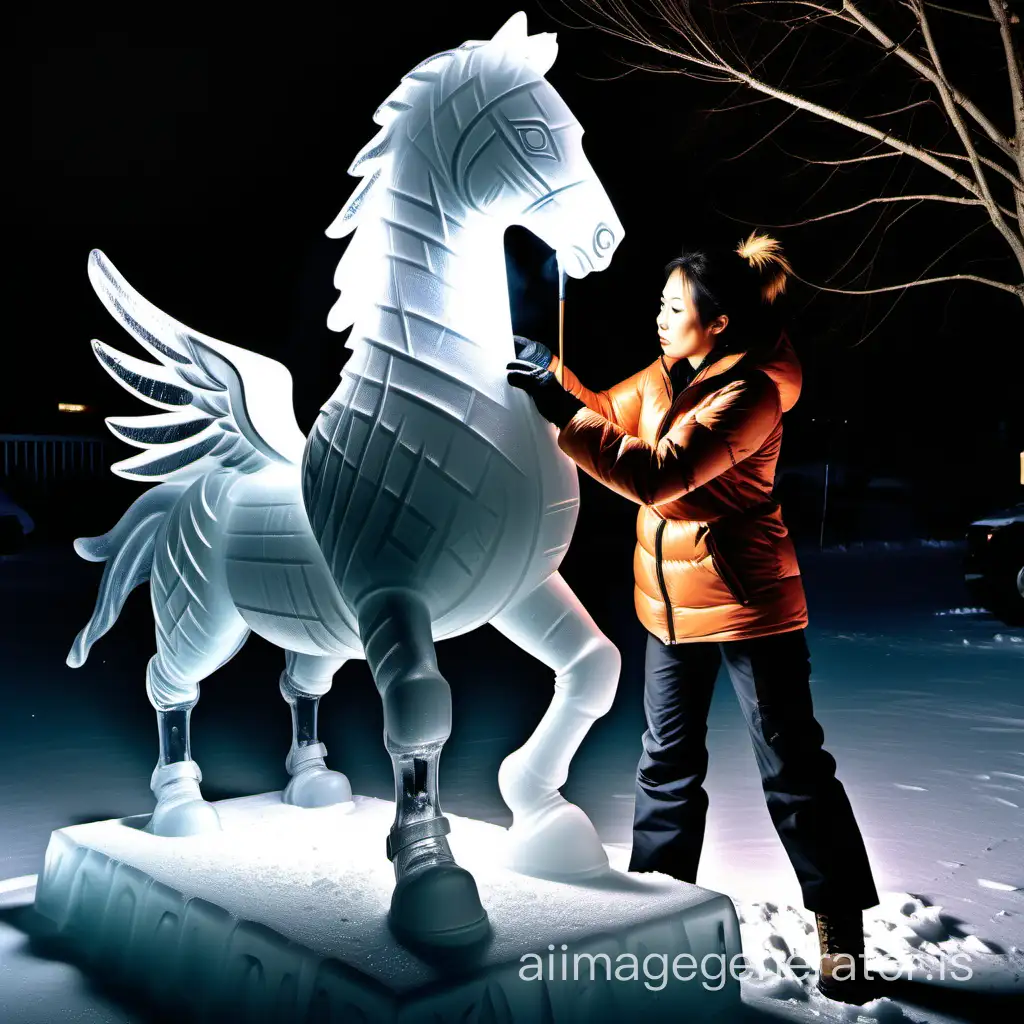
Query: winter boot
point(841, 972)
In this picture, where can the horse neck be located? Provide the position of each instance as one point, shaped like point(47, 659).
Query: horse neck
point(433, 276)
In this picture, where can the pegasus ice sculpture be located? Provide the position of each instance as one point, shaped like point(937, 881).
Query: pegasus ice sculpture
point(431, 497)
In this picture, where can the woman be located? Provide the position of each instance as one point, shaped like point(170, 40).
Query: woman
point(694, 438)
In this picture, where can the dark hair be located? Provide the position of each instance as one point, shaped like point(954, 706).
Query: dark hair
point(742, 283)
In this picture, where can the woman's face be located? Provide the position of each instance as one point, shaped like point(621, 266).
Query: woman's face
point(679, 327)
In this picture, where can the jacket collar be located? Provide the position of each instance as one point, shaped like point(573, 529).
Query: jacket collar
point(779, 362)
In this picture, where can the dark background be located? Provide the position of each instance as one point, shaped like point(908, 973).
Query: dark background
point(205, 152)
point(204, 149)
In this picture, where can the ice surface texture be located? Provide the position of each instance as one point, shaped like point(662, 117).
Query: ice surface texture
point(280, 917)
point(430, 497)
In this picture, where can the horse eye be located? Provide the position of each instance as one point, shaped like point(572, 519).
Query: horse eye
point(535, 137)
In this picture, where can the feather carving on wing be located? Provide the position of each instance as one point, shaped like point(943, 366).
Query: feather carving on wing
point(224, 406)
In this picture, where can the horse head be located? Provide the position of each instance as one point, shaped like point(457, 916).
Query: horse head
point(478, 137)
point(519, 159)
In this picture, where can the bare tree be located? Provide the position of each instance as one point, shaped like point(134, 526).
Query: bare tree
point(985, 164)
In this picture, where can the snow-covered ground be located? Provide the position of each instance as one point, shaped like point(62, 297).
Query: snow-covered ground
point(920, 697)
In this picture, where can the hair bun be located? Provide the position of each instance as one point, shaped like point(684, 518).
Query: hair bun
point(764, 254)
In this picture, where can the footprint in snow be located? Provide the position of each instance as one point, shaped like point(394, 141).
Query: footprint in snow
point(976, 945)
point(777, 986)
point(883, 1010)
point(1000, 800)
point(988, 883)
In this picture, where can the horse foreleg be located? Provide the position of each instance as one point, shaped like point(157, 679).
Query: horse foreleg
point(305, 679)
point(435, 902)
point(549, 836)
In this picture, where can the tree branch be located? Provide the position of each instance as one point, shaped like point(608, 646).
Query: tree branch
point(926, 72)
point(754, 145)
point(904, 288)
point(884, 199)
point(956, 10)
point(1014, 289)
point(838, 163)
point(701, 58)
point(998, 168)
point(1005, 172)
point(885, 230)
point(899, 110)
point(683, 24)
point(831, 12)
point(1016, 91)
point(946, 91)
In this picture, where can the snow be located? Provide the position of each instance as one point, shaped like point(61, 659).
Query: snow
point(921, 698)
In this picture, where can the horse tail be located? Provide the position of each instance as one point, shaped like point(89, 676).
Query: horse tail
point(128, 551)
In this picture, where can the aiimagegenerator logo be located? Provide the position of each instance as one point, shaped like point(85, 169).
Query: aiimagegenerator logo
point(712, 968)
point(654, 968)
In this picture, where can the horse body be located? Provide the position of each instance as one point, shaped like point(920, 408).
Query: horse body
point(467, 511)
point(469, 504)
point(430, 497)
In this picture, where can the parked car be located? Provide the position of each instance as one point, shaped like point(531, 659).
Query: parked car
point(994, 564)
point(15, 525)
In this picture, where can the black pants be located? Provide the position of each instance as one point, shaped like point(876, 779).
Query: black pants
point(807, 803)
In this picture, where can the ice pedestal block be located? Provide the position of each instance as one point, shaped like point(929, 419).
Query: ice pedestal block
point(283, 917)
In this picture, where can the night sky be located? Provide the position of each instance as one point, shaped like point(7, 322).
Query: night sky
point(204, 149)
point(205, 152)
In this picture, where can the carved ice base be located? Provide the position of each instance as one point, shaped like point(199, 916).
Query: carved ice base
point(283, 917)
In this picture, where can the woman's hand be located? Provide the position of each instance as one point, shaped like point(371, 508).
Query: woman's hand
point(535, 352)
point(553, 402)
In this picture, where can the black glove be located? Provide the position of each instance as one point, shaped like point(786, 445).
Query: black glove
point(535, 352)
point(553, 402)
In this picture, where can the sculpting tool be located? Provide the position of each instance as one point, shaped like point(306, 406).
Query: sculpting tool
point(561, 321)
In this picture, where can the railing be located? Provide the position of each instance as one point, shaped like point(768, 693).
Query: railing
point(47, 458)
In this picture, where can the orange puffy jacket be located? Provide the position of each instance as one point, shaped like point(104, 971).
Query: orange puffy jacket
point(714, 560)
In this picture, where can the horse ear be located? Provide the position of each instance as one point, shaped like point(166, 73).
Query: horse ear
point(513, 31)
point(542, 49)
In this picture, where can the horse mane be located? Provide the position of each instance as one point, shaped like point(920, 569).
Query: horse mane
point(421, 91)
point(391, 114)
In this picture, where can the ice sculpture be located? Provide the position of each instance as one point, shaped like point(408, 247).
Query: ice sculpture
point(432, 497)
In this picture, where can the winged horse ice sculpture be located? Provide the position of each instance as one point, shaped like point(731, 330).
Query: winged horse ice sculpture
point(431, 497)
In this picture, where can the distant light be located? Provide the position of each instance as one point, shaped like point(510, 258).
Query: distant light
point(71, 407)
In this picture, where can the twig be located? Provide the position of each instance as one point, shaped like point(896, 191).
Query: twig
point(1013, 289)
point(885, 199)
point(956, 10)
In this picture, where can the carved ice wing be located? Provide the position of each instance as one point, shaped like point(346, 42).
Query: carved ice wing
point(225, 406)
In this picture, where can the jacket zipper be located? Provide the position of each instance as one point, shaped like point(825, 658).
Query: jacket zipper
point(658, 537)
point(726, 574)
point(724, 571)
point(658, 543)
point(674, 398)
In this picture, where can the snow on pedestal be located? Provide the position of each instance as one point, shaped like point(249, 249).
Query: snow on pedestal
point(283, 917)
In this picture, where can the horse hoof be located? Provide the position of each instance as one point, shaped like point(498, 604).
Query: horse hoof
point(520, 788)
point(189, 818)
point(318, 788)
point(439, 907)
point(558, 843)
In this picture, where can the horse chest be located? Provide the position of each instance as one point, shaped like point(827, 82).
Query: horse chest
point(463, 499)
